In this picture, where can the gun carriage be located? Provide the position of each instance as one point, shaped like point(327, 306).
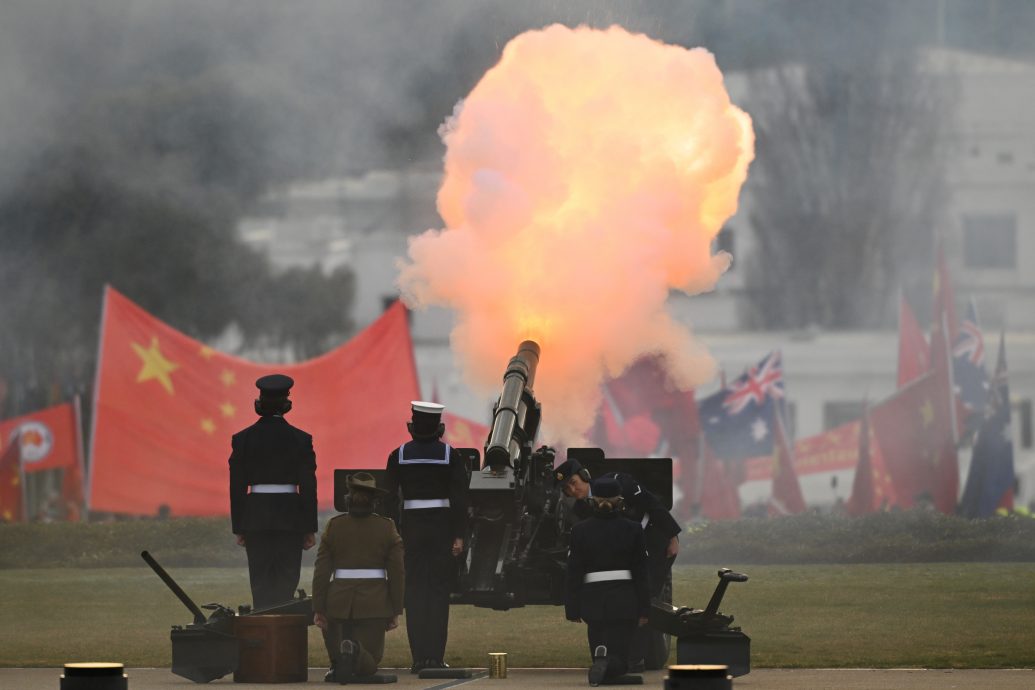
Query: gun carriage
point(208, 648)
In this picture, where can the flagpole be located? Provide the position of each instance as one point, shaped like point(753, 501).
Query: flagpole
point(21, 478)
point(95, 412)
point(79, 453)
point(952, 381)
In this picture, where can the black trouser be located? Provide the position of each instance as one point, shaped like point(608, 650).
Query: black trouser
point(617, 636)
point(368, 632)
point(659, 566)
point(430, 570)
point(274, 566)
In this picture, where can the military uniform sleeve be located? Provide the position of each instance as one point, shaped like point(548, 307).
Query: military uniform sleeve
point(307, 485)
point(644, 503)
point(390, 503)
point(576, 573)
point(322, 571)
point(396, 571)
point(639, 572)
point(238, 485)
point(458, 490)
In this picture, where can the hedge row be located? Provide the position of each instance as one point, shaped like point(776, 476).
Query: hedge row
point(915, 536)
point(903, 537)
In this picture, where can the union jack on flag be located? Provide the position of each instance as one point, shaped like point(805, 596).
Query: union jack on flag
point(756, 384)
point(738, 420)
point(968, 369)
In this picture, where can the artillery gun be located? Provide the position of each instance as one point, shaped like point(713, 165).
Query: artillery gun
point(515, 553)
point(208, 648)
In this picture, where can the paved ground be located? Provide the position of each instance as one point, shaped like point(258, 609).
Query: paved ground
point(555, 679)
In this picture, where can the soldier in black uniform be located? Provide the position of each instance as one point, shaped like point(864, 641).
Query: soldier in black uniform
point(661, 531)
point(432, 480)
point(607, 581)
point(273, 494)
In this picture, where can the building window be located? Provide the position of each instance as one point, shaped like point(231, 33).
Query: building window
point(990, 240)
point(838, 412)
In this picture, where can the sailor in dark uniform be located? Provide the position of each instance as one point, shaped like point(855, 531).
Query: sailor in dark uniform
point(607, 581)
point(273, 494)
point(661, 531)
point(428, 480)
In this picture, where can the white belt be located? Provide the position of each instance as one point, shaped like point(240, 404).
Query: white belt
point(274, 488)
point(605, 575)
point(360, 574)
point(426, 503)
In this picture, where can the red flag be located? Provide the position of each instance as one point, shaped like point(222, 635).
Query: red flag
point(872, 489)
point(12, 482)
point(914, 429)
point(914, 355)
point(166, 406)
point(48, 437)
point(719, 498)
point(463, 433)
point(786, 497)
point(642, 415)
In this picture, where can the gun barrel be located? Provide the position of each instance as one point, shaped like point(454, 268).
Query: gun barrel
point(501, 449)
point(199, 617)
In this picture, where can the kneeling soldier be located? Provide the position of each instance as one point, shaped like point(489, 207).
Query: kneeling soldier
point(607, 581)
point(358, 583)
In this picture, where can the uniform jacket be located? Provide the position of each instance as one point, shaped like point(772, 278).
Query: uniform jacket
point(271, 451)
point(643, 507)
point(370, 541)
point(610, 542)
point(428, 469)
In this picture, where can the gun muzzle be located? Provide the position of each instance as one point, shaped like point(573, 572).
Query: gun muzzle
point(509, 418)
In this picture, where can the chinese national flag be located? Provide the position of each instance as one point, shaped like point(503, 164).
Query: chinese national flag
point(913, 352)
point(166, 406)
point(464, 433)
point(12, 484)
point(872, 489)
point(786, 498)
point(914, 429)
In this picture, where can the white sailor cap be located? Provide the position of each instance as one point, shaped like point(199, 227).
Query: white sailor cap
point(426, 407)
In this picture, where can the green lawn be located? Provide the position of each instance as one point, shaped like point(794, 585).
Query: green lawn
point(960, 615)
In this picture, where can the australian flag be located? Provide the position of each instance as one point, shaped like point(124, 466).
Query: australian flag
point(968, 370)
point(990, 479)
point(738, 420)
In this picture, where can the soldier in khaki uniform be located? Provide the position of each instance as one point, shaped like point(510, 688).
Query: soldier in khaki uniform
point(358, 583)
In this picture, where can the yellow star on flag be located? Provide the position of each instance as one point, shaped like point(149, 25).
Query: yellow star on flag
point(227, 409)
point(208, 426)
point(8, 515)
point(206, 352)
point(228, 377)
point(927, 413)
point(156, 366)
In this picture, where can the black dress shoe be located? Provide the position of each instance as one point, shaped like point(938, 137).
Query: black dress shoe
point(599, 667)
point(329, 676)
point(343, 670)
